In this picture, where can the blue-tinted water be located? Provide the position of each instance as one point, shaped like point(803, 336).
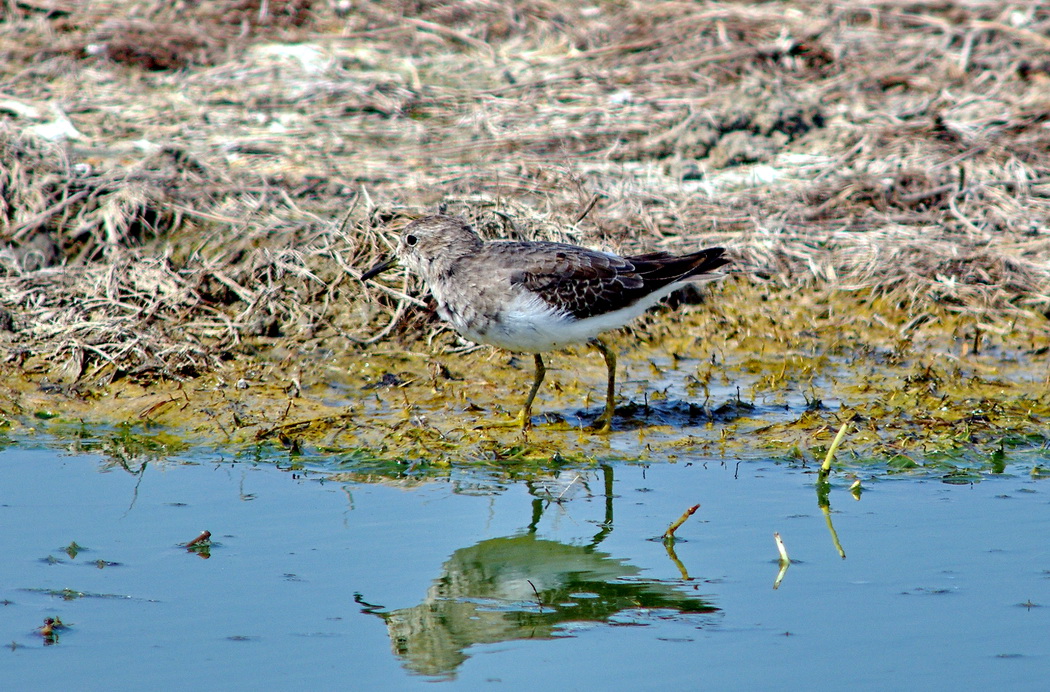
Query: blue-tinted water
point(479, 581)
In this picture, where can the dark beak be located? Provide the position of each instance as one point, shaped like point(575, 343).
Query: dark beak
point(379, 268)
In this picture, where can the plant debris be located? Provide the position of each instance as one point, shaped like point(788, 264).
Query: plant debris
point(189, 192)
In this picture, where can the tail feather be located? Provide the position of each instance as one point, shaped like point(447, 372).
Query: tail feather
point(663, 267)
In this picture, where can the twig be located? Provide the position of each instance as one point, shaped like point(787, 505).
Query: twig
point(450, 33)
point(539, 599)
point(586, 210)
point(781, 548)
point(202, 539)
point(826, 466)
point(669, 533)
point(1042, 41)
point(566, 489)
point(785, 561)
point(295, 426)
point(43, 216)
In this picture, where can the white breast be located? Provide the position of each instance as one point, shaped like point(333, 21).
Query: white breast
point(529, 325)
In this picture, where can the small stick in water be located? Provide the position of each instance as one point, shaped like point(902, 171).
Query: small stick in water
point(826, 466)
point(783, 550)
point(669, 533)
point(200, 540)
point(785, 561)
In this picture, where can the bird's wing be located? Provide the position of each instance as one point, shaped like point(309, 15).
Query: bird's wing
point(580, 281)
point(587, 282)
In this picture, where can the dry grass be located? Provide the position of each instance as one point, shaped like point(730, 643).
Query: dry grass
point(178, 179)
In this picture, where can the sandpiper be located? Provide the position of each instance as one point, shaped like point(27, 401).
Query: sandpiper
point(533, 297)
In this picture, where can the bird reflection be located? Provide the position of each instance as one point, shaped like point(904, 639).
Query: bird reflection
point(526, 587)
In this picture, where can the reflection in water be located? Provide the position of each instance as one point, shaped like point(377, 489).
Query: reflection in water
point(824, 502)
point(524, 587)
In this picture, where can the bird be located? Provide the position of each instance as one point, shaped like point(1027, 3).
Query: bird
point(539, 296)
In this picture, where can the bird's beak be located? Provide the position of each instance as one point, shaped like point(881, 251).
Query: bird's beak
point(379, 268)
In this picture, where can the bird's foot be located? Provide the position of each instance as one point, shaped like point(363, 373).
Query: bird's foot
point(522, 421)
point(602, 425)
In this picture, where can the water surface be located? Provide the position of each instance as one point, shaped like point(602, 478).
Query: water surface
point(477, 580)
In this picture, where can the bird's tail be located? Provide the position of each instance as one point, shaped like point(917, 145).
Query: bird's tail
point(697, 267)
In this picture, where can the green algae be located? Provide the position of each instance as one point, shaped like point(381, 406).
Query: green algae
point(752, 372)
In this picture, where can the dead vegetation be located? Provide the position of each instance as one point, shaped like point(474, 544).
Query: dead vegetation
point(184, 182)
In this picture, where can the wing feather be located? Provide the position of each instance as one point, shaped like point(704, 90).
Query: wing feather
point(586, 282)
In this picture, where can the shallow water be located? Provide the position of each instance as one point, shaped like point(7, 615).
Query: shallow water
point(478, 580)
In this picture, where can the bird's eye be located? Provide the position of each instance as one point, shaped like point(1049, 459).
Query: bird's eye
point(411, 240)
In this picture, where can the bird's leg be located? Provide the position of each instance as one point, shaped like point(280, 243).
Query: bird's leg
point(525, 417)
point(603, 423)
